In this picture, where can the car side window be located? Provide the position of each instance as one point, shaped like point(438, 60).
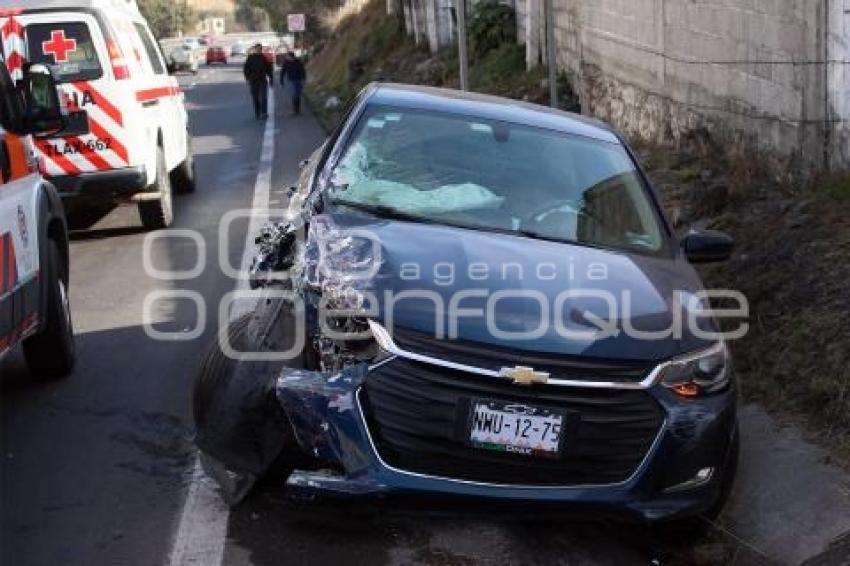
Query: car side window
point(150, 48)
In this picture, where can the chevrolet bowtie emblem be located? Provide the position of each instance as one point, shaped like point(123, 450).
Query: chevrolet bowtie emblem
point(524, 375)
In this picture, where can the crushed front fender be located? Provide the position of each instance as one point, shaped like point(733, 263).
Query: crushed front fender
point(322, 409)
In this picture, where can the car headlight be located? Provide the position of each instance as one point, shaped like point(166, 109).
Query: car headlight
point(701, 373)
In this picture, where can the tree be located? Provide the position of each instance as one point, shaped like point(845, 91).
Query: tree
point(279, 9)
point(167, 17)
point(252, 18)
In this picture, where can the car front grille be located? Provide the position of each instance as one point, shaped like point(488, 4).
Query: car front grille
point(417, 415)
point(486, 356)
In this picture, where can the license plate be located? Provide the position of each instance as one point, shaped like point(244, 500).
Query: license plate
point(515, 428)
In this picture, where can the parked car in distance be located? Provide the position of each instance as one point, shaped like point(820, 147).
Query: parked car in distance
point(192, 42)
point(184, 58)
point(238, 49)
point(216, 54)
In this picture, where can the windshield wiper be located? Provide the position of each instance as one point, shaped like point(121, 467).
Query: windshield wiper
point(538, 236)
point(384, 211)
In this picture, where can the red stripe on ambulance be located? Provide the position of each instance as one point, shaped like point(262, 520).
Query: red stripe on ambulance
point(108, 108)
point(89, 154)
point(12, 34)
point(49, 153)
point(156, 93)
point(115, 145)
point(12, 27)
point(8, 264)
point(15, 62)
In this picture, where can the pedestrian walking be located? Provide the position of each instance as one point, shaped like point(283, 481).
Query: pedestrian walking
point(293, 72)
point(259, 73)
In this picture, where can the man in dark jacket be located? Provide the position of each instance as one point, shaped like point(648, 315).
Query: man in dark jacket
point(259, 73)
point(294, 72)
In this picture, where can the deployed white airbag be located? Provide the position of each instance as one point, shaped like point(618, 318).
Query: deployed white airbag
point(363, 189)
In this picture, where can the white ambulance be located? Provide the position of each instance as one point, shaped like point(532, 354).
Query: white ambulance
point(107, 62)
point(34, 306)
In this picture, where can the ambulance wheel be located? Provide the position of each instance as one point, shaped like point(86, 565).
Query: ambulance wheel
point(183, 177)
point(159, 213)
point(51, 353)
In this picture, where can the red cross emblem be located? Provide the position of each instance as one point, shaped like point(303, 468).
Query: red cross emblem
point(59, 46)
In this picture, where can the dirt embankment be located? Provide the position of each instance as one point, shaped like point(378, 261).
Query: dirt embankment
point(792, 260)
point(371, 46)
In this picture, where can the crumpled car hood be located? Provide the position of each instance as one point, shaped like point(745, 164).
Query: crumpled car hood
point(442, 261)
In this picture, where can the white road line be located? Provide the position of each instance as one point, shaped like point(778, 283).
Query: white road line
point(259, 208)
point(202, 532)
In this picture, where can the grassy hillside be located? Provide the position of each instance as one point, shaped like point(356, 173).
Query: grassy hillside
point(792, 261)
point(371, 46)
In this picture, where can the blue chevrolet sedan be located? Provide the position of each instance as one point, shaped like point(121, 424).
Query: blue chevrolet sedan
point(477, 300)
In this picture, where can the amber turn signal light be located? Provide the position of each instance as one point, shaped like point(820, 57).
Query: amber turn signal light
point(688, 390)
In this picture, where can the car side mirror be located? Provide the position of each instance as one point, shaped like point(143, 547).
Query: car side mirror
point(171, 67)
point(706, 246)
point(43, 109)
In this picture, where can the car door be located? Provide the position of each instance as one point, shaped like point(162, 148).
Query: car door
point(19, 183)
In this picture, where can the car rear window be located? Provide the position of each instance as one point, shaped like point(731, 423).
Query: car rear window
point(66, 48)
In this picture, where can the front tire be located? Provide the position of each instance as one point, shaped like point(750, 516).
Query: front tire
point(51, 353)
point(241, 428)
point(159, 213)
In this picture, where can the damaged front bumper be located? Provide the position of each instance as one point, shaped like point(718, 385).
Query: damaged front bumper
point(330, 424)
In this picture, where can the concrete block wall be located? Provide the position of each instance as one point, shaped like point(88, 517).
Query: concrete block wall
point(520, 6)
point(840, 81)
point(430, 22)
point(765, 72)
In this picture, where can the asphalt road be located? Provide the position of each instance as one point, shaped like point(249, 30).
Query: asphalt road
point(96, 468)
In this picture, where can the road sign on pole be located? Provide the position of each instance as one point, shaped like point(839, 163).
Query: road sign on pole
point(296, 23)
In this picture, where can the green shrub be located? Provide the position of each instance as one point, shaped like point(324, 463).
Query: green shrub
point(491, 25)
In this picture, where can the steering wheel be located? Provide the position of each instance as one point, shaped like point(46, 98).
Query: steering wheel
point(560, 205)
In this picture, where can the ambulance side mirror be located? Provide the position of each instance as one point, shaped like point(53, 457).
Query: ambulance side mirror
point(43, 108)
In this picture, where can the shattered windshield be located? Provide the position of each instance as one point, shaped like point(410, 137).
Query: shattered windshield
point(468, 172)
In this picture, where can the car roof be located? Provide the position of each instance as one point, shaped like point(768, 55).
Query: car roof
point(126, 6)
point(489, 107)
